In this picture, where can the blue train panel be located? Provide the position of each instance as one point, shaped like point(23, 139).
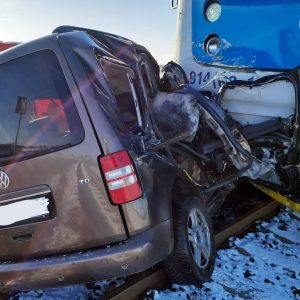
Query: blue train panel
point(260, 34)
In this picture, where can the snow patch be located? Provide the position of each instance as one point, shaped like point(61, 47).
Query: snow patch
point(262, 265)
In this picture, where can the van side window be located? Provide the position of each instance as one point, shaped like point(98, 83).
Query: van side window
point(147, 84)
point(37, 111)
point(121, 80)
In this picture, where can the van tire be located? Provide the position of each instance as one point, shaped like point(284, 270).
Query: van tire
point(181, 266)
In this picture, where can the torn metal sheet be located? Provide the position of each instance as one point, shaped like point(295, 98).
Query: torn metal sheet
point(253, 105)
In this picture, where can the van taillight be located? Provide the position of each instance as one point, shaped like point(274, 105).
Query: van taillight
point(120, 177)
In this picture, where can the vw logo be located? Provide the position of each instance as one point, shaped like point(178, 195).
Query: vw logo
point(4, 180)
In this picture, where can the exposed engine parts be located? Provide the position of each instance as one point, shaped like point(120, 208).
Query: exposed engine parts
point(234, 144)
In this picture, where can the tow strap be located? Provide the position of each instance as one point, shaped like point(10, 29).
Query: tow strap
point(276, 196)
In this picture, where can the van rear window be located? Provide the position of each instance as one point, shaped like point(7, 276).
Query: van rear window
point(37, 112)
point(121, 80)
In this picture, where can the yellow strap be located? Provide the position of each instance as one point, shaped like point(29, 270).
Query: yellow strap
point(282, 199)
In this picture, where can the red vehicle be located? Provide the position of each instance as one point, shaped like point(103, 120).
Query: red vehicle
point(4, 46)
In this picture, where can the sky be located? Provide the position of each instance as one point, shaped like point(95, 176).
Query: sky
point(150, 23)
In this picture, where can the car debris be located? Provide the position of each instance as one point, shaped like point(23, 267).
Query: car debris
point(224, 139)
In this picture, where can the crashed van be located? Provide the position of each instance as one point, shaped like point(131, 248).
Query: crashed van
point(109, 165)
point(92, 183)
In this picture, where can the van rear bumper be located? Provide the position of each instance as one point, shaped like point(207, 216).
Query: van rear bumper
point(137, 254)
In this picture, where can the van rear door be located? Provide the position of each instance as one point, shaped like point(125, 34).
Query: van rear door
point(52, 198)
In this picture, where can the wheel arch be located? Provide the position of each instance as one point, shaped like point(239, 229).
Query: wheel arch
point(184, 188)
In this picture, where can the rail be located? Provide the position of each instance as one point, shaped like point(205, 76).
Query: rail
point(155, 278)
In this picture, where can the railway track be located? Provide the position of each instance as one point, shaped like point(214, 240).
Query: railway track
point(155, 278)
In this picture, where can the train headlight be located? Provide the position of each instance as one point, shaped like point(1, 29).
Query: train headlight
point(213, 11)
point(212, 44)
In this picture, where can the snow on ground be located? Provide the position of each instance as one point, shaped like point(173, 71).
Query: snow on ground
point(73, 292)
point(261, 265)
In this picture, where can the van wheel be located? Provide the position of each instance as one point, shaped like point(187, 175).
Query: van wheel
point(193, 258)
